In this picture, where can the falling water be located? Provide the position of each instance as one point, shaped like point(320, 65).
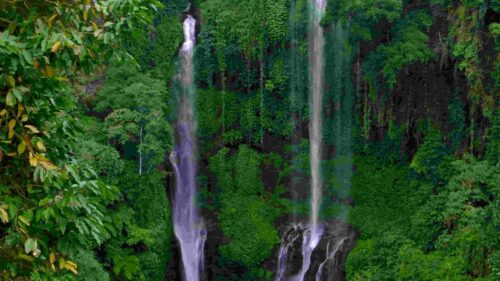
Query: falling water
point(289, 238)
point(330, 255)
point(310, 240)
point(188, 225)
point(311, 236)
point(316, 50)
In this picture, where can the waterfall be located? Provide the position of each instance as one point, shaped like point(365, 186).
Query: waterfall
point(316, 53)
point(310, 240)
point(329, 256)
point(288, 241)
point(188, 225)
point(312, 233)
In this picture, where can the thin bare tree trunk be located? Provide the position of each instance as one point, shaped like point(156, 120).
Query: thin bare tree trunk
point(140, 150)
point(261, 87)
point(223, 105)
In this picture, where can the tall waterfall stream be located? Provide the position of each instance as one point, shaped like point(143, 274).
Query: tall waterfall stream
point(188, 225)
point(301, 240)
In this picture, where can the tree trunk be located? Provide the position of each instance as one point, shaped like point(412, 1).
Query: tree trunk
point(140, 150)
point(261, 87)
point(223, 107)
point(249, 105)
point(358, 72)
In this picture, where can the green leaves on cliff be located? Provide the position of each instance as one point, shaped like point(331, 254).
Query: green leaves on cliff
point(247, 211)
point(408, 45)
point(253, 25)
point(415, 228)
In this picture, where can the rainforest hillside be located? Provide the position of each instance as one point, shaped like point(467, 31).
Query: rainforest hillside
point(250, 140)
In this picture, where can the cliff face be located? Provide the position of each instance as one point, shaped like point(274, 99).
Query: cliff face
point(393, 73)
point(302, 139)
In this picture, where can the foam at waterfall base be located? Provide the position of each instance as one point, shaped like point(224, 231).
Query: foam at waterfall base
point(326, 259)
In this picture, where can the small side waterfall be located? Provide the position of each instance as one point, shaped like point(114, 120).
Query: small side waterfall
point(330, 255)
point(188, 225)
point(288, 240)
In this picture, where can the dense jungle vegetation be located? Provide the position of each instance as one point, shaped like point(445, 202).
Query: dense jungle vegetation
point(87, 112)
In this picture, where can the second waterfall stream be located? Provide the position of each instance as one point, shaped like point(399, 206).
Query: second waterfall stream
point(188, 224)
point(311, 234)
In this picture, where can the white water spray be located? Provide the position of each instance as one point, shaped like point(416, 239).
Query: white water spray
point(330, 256)
point(188, 225)
point(287, 243)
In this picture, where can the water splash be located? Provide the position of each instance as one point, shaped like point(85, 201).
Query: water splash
point(310, 240)
point(189, 26)
point(330, 256)
point(188, 225)
point(288, 239)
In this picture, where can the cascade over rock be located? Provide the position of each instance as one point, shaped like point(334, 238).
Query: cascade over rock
point(316, 250)
point(311, 234)
point(188, 225)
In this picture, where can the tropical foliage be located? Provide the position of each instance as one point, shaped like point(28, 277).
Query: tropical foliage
point(411, 132)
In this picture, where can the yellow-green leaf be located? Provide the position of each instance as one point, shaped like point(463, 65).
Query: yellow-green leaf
point(33, 160)
point(41, 147)
point(24, 220)
point(33, 129)
point(71, 266)
point(11, 81)
point(12, 123)
point(4, 216)
point(21, 148)
point(47, 164)
point(55, 47)
point(26, 257)
point(62, 263)
point(10, 100)
point(20, 109)
point(51, 19)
